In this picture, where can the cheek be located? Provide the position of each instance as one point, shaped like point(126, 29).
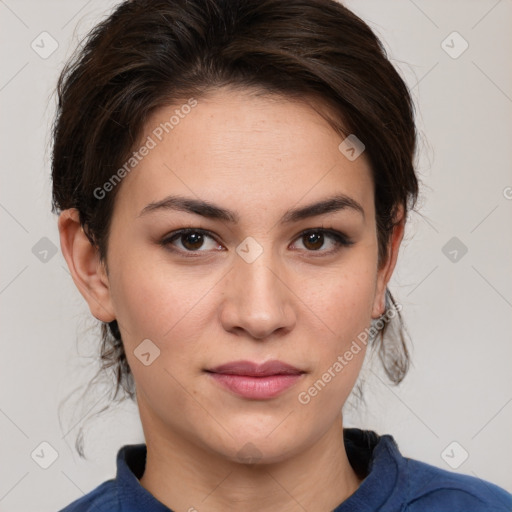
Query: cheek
point(343, 298)
point(173, 310)
point(342, 303)
point(344, 309)
point(151, 295)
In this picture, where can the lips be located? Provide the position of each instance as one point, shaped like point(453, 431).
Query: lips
point(255, 381)
point(250, 369)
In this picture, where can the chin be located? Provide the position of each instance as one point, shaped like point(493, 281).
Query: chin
point(258, 449)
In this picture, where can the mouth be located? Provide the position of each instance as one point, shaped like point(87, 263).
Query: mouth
point(256, 381)
point(250, 369)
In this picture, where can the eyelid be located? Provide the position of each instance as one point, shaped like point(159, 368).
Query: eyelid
point(175, 235)
point(329, 231)
point(340, 238)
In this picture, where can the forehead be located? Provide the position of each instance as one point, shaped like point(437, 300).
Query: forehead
point(234, 146)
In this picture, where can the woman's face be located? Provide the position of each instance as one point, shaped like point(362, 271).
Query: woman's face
point(249, 286)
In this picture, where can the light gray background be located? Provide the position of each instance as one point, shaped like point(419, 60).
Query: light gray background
point(458, 312)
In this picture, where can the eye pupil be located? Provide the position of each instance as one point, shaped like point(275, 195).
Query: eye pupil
point(195, 239)
point(316, 239)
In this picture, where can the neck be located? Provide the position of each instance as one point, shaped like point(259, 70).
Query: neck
point(184, 476)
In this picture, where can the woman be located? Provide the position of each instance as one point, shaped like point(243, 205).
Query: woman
point(233, 180)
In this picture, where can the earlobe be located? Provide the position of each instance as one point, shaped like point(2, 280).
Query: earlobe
point(84, 264)
point(386, 271)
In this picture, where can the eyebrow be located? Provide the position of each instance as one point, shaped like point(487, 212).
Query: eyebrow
point(209, 210)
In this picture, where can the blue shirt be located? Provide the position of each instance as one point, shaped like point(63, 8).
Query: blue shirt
point(392, 483)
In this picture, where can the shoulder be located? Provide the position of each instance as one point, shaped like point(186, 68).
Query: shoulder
point(103, 498)
point(430, 488)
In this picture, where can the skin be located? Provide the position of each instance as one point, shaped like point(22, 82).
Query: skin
point(259, 156)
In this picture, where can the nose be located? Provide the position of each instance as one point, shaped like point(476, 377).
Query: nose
point(258, 300)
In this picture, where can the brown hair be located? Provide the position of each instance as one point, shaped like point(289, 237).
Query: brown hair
point(152, 53)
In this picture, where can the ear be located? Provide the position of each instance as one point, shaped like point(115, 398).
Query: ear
point(87, 271)
point(386, 271)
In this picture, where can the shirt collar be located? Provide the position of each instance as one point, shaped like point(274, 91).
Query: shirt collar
point(131, 461)
point(375, 458)
point(384, 465)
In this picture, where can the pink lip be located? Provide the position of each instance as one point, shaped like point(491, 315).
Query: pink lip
point(256, 381)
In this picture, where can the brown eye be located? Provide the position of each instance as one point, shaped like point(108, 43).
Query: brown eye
point(190, 240)
point(330, 240)
point(313, 241)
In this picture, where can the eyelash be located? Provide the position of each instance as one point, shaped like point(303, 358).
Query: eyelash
point(340, 239)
